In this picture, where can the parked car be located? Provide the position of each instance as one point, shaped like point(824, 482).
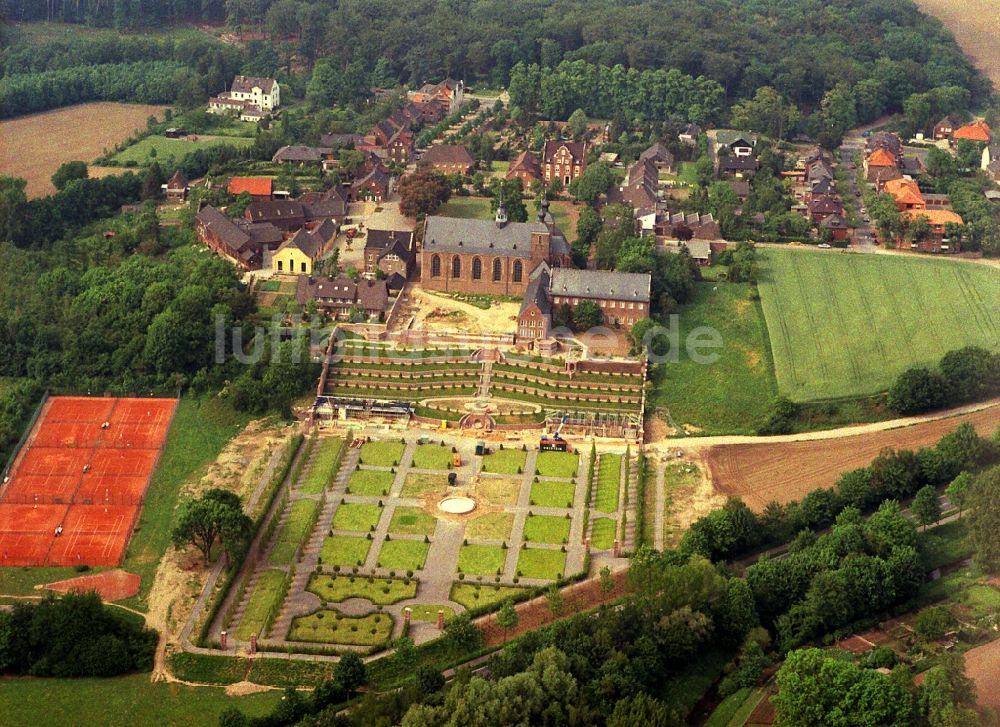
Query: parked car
point(824, 246)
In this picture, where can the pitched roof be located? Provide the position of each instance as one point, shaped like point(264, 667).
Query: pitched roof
point(299, 153)
point(947, 121)
point(576, 149)
point(737, 164)
point(882, 157)
point(905, 191)
point(397, 242)
point(978, 130)
point(178, 181)
point(601, 284)
point(537, 294)
point(935, 217)
point(340, 288)
point(319, 205)
point(526, 163)
point(452, 234)
point(395, 282)
point(325, 230)
point(699, 249)
point(245, 84)
point(657, 152)
point(343, 140)
point(223, 227)
point(303, 241)
point(825, 204)
point(727, 137)
point(372, 294)
point(256, 186)
point(448, 154)
point(834, 222)
point(267, 210)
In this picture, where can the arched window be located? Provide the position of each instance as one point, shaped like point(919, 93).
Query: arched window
point(477, 269)
point(456, 267)
point(518, 271)
point(436, 266)
point(497, 270)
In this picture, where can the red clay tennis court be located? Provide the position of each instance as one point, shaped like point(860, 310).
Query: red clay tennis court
point(83, 472)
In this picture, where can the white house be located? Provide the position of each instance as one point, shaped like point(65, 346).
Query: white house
point(250, 97)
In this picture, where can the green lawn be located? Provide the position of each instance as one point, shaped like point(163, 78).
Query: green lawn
point(329, 627)
point(471, 595)
point(846, 325)
point(382, 454)
point(539, 563)
point(377, 590)
point(200, 430)
point(565, 215)
point(294, 532)
point(505, 461)
point(370, 483)
point(552, 494)
point(608, 481)
point(325, 462)
point(417, 485)
point(546, 529)
point(356, 516)
point(121, 702)
point(264, 601)
point(481, 560)
point(730, 395)
point(429, 612)
point(177, 149)
point(557, 464)
point(499, 490)
point(412, 521)
point(344, 550)
point(491, 526)
point(431, 457)
point(471, 208)
point(403, 555)
point(603, 534)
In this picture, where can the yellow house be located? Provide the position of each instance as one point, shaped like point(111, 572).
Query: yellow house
point(297, 254)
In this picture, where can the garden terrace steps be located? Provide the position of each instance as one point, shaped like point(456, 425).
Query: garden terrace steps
point(632, 492)
point(484, 386)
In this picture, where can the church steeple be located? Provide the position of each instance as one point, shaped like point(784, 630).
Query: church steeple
point(501, 218)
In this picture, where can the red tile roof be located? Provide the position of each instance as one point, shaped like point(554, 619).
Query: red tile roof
point(976, 131)
point(256, 186)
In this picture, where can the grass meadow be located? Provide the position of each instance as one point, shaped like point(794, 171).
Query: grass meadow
point(844, 325)
point(160, 148)
point(264, 600)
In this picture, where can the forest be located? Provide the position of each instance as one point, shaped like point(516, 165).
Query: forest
point(803, 49)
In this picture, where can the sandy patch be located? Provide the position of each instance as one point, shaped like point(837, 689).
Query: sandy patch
point(439, 313)
point(112, 585)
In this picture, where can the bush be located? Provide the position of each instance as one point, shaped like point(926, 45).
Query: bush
point(917, 390)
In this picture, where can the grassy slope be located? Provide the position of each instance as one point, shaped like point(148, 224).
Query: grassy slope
point(200, 430)
point(176, 148)
point(845, 325)
point(732, 394)
point(120, 702)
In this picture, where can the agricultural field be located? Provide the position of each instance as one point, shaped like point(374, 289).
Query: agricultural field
point(732, 394)
point(75, 133)
point(789, 470)
point(160, 148)
point(845, 325)
point(977, 36)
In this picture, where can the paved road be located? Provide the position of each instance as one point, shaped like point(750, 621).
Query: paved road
point(864, 237)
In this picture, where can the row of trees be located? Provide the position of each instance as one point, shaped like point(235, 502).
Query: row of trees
point(966, 374)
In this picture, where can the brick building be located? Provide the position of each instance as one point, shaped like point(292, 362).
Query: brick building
point(494, 258)
point(563, 160)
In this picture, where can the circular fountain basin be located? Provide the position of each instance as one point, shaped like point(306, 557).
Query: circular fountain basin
point(458, 505)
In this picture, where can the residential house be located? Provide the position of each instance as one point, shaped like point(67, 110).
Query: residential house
point(341, 296)
point(937, 219)
point(661, 157)
point(945, 128)
point(884, 140)
point(640, 188)
point(372, 298)
point(698, 250)
point(341, 141)
point(563, 160)
point(493, 258)
point(978, 131)
point(991, 153)
point(689, 134)
point(330, 205)
point(735, 143)
point(907, 194)
point(297, 254)
point(249, 97)
point(449, 159)
point(176, 188)
point(739, 167)
point(525, 167)
point(302, 155)
point(448, 91)
point(702, 227)
point(389, 252)
point(837, 226)
point(256, 187)
point(741, 188)
point(374, 186)
point(623, 297)
point(822, 206)
point(285, 214)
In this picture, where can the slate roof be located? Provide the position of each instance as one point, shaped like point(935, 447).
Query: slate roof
point(227, 230)
point(245, 84)
point(299, 153)
point(395, 282)
point(372, 294)
point(452, 234)
point(737, 164)
point(326, 230)
point(262, 233)
point(536, 293)
point(305, 242)
point(834, 222)
point(341, 140)
point(601, 284)
point(397, 242)
point(317, 205)
point(310, 288)
point(268, 210)
point(658, 154)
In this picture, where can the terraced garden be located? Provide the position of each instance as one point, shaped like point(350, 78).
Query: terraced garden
point(300, 520)
point(328, 626)
point(608, 483)
point(377, 590)
point(265, 600)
